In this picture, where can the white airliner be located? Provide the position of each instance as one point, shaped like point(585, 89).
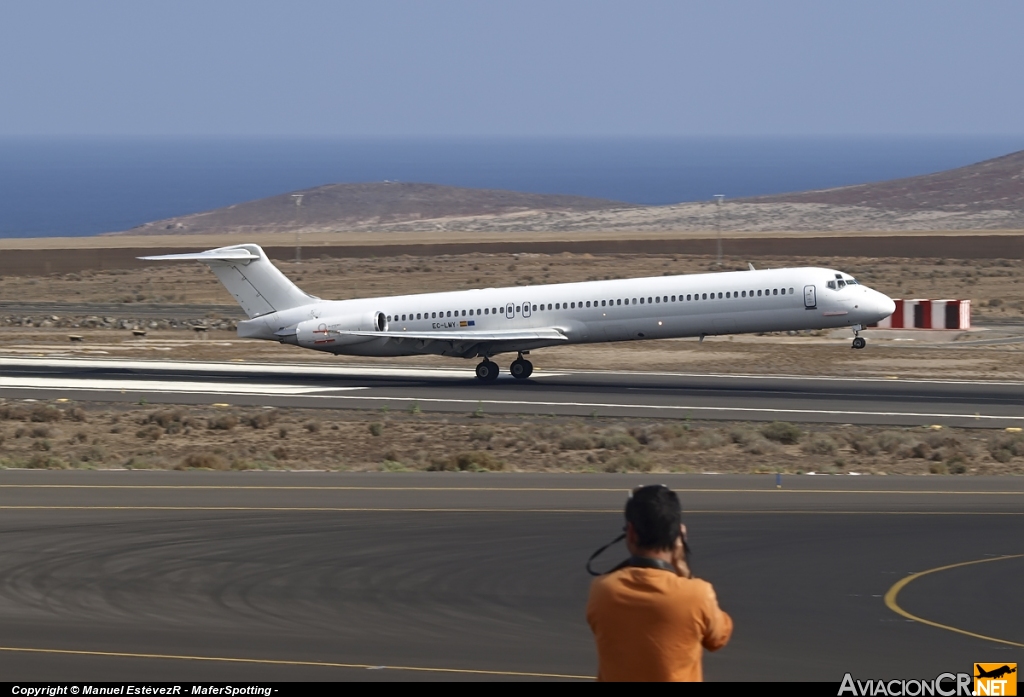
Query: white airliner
point(486, 322)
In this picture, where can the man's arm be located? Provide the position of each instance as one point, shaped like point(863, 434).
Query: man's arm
point(718, 623)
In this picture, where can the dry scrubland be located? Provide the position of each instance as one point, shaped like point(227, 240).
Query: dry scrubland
point(93, 436)
point(995, 285)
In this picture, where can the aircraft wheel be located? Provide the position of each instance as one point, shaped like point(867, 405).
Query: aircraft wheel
point(487, 371)
point(521, 369)
point(859, 343)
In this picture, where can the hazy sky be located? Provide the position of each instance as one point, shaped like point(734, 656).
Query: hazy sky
point(525, 68)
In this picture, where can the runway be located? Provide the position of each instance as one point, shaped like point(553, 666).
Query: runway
point(327, 576)
point(583, 393)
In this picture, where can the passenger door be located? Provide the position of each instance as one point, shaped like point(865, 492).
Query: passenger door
point(810, 301)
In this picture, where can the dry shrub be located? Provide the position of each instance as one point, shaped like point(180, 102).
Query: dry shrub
point(312, 426)
point(709, 439)
point(671, 431)
point(617, 440)
point(741, 435)
point(576, 441)
point(169, 419)
point(264, 419)
point(376, 429)
point(279, 452)
point(892, 441)
point(761, 446)
point(481, 434)
point(41, 431)
point(641, 433)
point(782, 432)
point(628, 462)
point(864, 443)
point(76, 414)
point(921, 451)
point(820, 444)
point(222, 423)
point(472, 461)
point(282, 432)
point(45, 413)
point(1003, 447)
point(93, 454)
point(41, 461)
point(151, 433)
point(210, 461)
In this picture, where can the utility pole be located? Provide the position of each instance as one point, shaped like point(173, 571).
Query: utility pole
point(298, 244)
point(718, 223)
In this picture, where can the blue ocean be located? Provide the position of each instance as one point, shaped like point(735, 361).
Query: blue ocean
point(86, 186)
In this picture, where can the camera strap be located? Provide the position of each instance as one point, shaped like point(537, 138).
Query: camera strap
point(598, 553)
point(642, 562)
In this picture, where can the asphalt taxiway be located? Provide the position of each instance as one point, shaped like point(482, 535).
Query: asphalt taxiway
point(117, 575)
point(986, 404)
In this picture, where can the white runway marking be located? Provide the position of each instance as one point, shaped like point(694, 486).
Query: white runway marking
point(808, 378)
point(99, 385)
point(357, 371)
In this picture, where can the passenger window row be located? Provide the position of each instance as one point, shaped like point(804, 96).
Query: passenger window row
point(725, 295)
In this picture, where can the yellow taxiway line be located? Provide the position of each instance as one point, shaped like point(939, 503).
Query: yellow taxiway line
point(892, 593)
point(280, 662)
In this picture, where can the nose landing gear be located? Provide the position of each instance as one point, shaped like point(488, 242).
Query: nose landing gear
point(858, 341)
point(521, 368)
point(487, 371)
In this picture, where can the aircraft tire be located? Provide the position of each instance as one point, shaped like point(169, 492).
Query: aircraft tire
point(487, 371)
point(521, 369)
point(859, 342)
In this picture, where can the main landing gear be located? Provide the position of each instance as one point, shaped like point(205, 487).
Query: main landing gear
point(521, 368)
point(858, 341)
point(487, 371)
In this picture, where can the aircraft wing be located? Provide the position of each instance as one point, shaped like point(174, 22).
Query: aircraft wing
point(464, 343)
point(476, 336)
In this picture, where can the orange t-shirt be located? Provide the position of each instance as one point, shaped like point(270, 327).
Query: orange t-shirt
point(651, 624)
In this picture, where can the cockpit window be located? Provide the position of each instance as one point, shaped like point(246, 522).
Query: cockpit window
point(831, 284)
point(851, 282)
point(842, 284)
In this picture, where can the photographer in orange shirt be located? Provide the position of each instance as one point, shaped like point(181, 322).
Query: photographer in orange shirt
point(651, 619)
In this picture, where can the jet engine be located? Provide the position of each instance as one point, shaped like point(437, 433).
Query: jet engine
point(327, 332)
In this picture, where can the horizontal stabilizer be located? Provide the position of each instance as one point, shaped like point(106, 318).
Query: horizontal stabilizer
point(244, 269)
point(230, 254)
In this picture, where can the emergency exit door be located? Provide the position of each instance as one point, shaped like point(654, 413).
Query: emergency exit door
point(810, 302)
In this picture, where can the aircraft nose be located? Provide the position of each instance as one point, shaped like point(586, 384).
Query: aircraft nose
point(886, 305)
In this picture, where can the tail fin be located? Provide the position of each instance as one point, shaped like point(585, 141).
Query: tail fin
point(244, 269)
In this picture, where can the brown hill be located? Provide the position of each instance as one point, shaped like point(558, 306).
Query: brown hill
point(350, 206)
point(996, 184)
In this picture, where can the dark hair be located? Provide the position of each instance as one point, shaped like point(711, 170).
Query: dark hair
point(656, 515)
